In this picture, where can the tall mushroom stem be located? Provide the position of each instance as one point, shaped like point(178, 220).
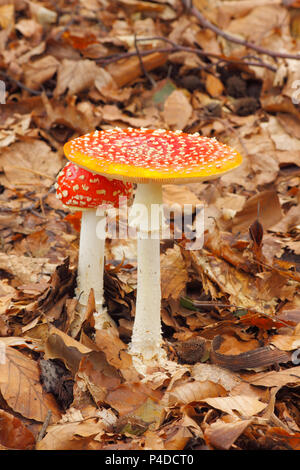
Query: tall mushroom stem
point(91, 266)
point(90, 260)
point(146, 336)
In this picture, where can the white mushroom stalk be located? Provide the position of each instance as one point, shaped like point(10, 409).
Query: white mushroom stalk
point(90, 271)
point(146, 338)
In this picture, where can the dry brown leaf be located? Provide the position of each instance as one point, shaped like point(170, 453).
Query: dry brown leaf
point(276, 378)
point(14, 434)
point(265, 205)
point(40, 71)
point(178, 438)
point(174, 275)
point(253, 25)
point(290, 221)
point(222, 435)
point(177, 110)
point(127, 398)
point(126, 70)
point(99, 376)
point(232, 345)
point(287, 342)
point(115, 350)
point(243, 404)
point(243, 290)
point(282, 140)
point(218, 375)
point(43, 15)
point(113, 113)
point(191, 392)
point(76, 76)
point(73, 436)
point(7, 15)
point(289, 123)
point(214, 86)
point(21, 389)
point(29, 28)
point(80, 118)
point(30, 162)
point(59, 345)
point(177, 195)
point(26, 269)
point(237, 9)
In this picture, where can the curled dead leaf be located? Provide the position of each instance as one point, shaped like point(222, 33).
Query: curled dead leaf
point(14, 434)
point(259, 357)
point(21, 388)
point(222, 435)
point(193, 392)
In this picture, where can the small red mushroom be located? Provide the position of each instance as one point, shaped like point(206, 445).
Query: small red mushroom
point(81, 190)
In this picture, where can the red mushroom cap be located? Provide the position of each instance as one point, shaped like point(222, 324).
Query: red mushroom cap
point(152, 155)
point(80, 189)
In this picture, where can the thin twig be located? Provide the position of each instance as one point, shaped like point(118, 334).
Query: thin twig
point(176, 48)
point(32, 207)
point(147, 75)
point(44, 427)
point(205, 23)
point(30, 170)
point(207, 304)
point(24, 87)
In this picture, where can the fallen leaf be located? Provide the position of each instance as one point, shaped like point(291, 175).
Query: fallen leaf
point(174, 275)
point(177, 110)
point(127, 398)
point(222, 435)
point(213, 85)
point(290, 221)
point(269, 211)
point(29, 162)
point(287, 342)
point(7, 15)
point(76, 76)
point(14, 434)
point(191, 392)
point(126, 70)
point(72, 436)
point(18, 374)
point(276, 379)
point(243, 404)
point(116, 353)
point(29, 27)
point(40, 71)
point(43, 15)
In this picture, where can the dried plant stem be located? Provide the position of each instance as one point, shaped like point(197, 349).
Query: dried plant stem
point(44, 427)
point(143, 68)
point(176, 48)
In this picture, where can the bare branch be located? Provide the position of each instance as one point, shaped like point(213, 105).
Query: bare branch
point(176, 47)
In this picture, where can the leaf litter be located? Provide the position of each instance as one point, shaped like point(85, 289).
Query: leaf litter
point(230, 311)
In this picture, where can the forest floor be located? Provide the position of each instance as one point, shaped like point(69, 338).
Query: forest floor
point(231, 311)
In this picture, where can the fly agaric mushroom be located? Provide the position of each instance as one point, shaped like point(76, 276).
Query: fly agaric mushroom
point(150, 158)
point(82, 190)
